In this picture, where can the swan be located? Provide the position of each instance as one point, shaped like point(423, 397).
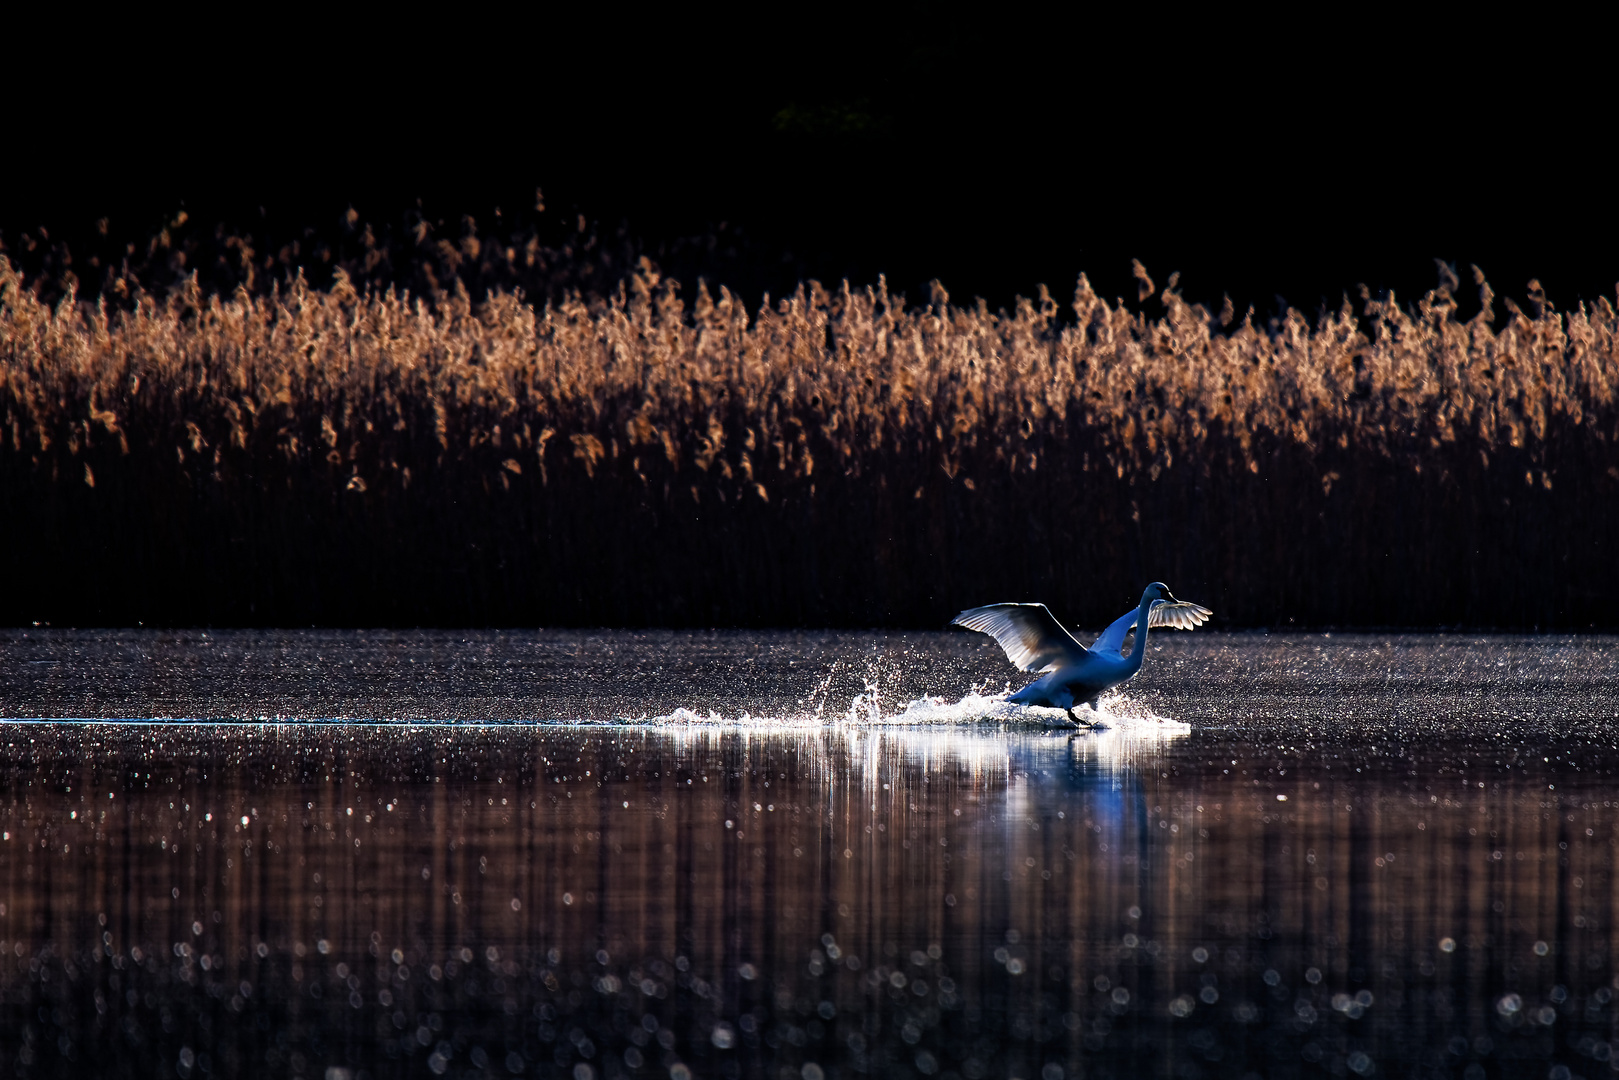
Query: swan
point(1035, 641)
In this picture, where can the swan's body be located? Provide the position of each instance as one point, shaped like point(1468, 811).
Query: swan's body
point(1035, 641)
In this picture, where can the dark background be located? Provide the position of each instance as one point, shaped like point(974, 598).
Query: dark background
point(1265, 156)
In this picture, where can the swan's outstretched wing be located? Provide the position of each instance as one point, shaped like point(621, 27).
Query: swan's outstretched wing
point(1177, 614)
point(1033, 639)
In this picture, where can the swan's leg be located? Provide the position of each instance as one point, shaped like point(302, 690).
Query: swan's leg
point(1077, 722)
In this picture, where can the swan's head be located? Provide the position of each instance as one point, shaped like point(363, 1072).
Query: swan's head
point(1158, 591)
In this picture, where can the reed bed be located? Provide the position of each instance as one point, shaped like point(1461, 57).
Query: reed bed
point(662, 456)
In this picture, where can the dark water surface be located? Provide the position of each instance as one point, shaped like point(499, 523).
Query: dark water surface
point(1303, 855)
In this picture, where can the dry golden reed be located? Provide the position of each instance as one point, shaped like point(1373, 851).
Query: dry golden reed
point(833, 457)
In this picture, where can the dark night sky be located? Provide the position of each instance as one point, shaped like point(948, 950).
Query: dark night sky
point(991, 148)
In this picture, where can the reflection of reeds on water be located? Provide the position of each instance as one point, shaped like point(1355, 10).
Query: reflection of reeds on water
point(867, 901)
point(835, 456)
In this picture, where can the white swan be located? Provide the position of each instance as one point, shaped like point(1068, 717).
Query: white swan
point(1035, 641)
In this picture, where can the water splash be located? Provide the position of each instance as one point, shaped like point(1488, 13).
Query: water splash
point(869, 708)
point(881, 689)
point(1116, 712)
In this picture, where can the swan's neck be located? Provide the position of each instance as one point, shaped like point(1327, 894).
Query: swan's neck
point(1140, 650)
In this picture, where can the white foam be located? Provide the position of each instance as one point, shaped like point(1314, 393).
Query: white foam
point(1116, 713)
point(687, 716)
point(684, 717)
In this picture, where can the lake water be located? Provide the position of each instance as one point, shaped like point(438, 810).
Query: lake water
point(795, 855)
